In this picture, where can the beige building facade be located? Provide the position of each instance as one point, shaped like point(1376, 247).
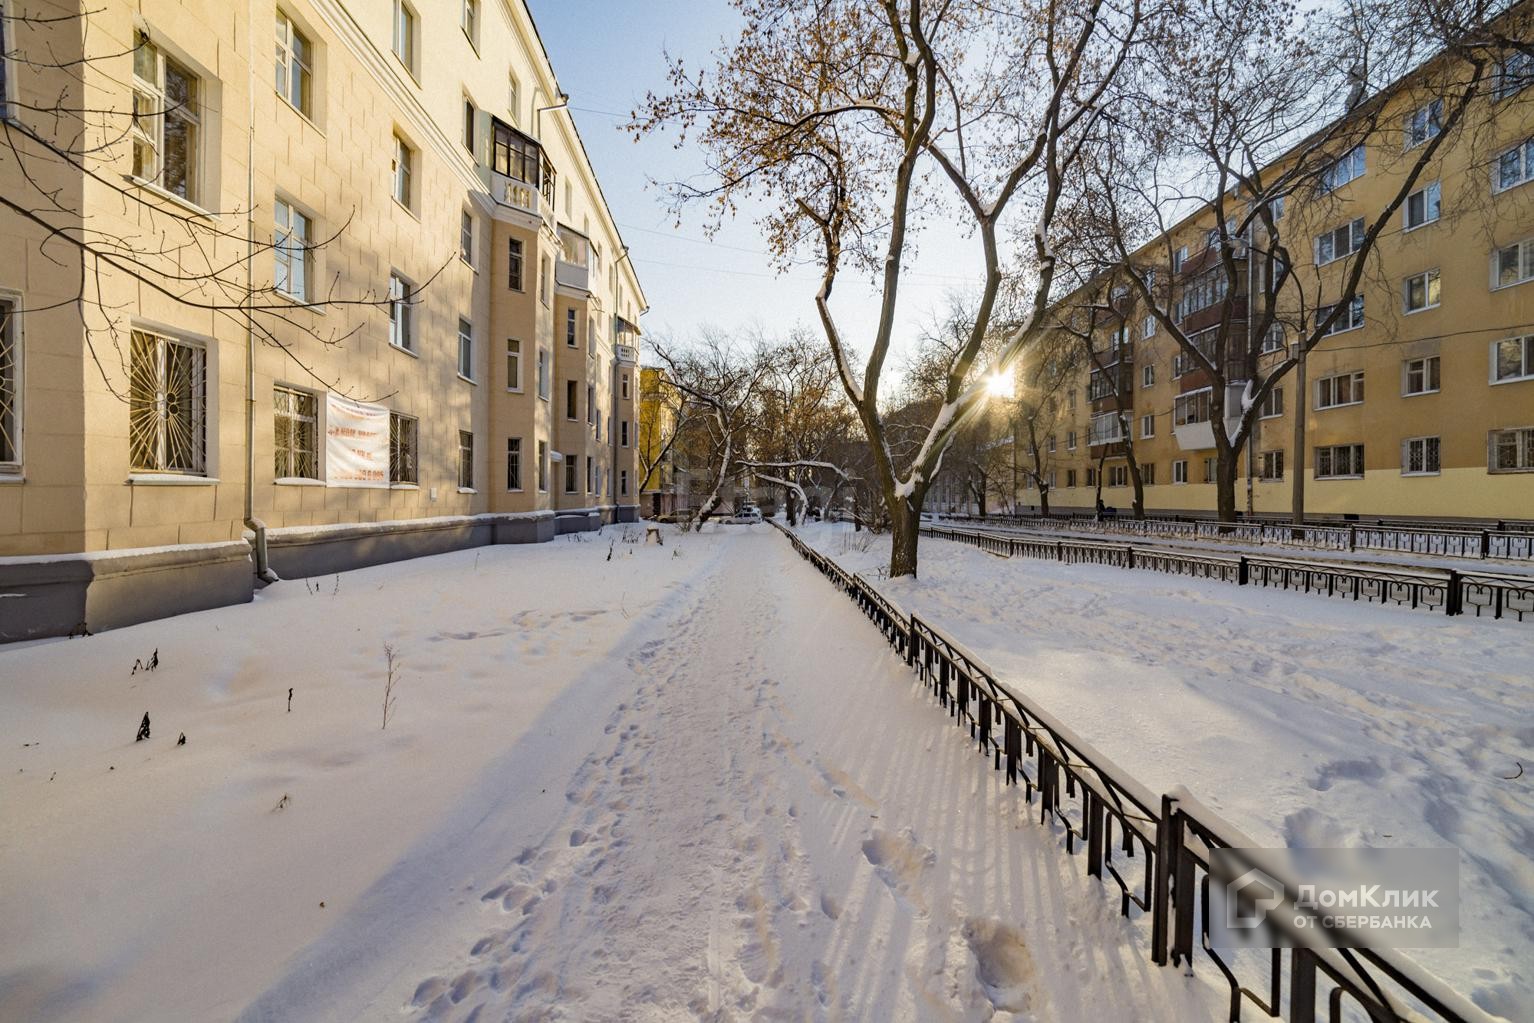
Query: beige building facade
point(1418, 404)
point(371, 271)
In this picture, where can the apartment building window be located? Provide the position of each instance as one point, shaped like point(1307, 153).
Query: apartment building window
point(1273, 340)
point(1179, 258)
point(401, 313)
point(543, 467)
point(1424, 206)
point(1350, 318)
point(1211, 467)
point(167, 121)
point(1105, 428)
point(290, 250)
point(1180, 470)
point(1511, 450)
point(1419, 456)
point(1148, 473)
point(591, 475)
point(591, 335)
point(1512, 359)
point(513, 364)
point(1191, 408)
point(1512, 264)
point(1515, 166)
point(470, 121)
point(623, 383)
point(465, 460)
point(1273, 405)
point(403, 434)
point(591, 404)
point(404, 172)
point(1148, 327)
point(514, 264)
point(167, 404)
point(1118, 475)
point(1091, 477)
point(1272, 465)
point(570, 470)
point(1419, 376)
point(571, 340)
point(1203, 291)
point(543, 279)
point(1147, 427)
point(1051, 444)
point(513, 96)
point(470, 21)
point(623, 482)
point(406, 29)
point(296, 441)
point(571, 412)
point(1340, 461)
point(1347, 168)
point(1514, 74)
point(1070, 440)
point(1147, 376)
point(466, 349)
point(1071, 399)
point(1070, 477)
point(513, 463)
point(543, 373)
point(1421, 291)
point(623, 433)
point(1340, 242)
point(1424, 123)
point(10, 390)
point(466, 237)
point(1342, 389)
point(295, 65)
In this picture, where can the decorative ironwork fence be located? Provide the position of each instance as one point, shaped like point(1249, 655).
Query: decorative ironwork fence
point(1482, 594)
point(1149, 852)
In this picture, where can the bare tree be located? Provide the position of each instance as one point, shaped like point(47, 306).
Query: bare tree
point(852, 117)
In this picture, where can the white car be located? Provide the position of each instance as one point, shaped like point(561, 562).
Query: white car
point(747, 514)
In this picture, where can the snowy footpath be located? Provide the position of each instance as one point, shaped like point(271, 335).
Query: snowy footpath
point(1306, 722)
point(682, 782)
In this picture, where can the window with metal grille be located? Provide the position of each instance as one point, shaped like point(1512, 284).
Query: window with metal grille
point(513, 463)
point(296, 433)
point(543, 466)
point(465, 460)
point(1511, 450)
point(10, 390)
point(1419, 456)
point(1340, 461)
point(402, 449)
point(167, 405)
point(166, 121)
point(570, 470)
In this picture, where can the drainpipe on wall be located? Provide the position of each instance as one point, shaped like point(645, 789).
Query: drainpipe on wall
point(264, 571)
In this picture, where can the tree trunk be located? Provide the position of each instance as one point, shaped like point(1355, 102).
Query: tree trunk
point(1297, 457)
point(1225, 485)
point(905, 519)
point(1043, 500)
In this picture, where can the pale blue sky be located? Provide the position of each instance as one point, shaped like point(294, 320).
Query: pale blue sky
point(607, 53)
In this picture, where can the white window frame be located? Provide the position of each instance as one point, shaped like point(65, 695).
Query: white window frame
point(151, 109)
point(1526, 343)
point(1148, 375)
point(407, 37)
point(466, 238)
point(1522, 166)
point(1070, 440)
point(1202, 402)
point(290, 224)
point(514, 364)
point(1353, 164)
point(1431, 370)
point(468, 20)
point(1147, 426)
point(1353, 320)
point(1523, 445)
point(1272, 406)
point(401, 312)
point(544, 382)
point(294, 63)
point(1330, 451)
point(1328, 388)
point(1431, 284)
point(1514, 73)
point(1326, 245)
point(1179, 471)
point(1525, 261)
point(572, 334)
point(1147, 328)
point(1424, 123)
point(1272, 467)
point(1424, 444)
point(1431, 204)
point(466, 349)
point(402, 172)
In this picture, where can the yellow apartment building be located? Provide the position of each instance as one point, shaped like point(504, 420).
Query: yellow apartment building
point(350, 292)
point(1420, 401)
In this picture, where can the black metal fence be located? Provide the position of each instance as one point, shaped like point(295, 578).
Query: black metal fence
point(1150, 852)
point(1509, 541)
point(1448, 591)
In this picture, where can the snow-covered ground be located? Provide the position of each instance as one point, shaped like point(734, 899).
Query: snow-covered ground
point(687, 782)
point(1305, 721)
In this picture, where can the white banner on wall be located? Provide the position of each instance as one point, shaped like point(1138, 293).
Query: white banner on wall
point(356, 443)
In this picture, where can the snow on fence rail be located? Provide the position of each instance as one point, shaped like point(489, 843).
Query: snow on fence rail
point(1445, 590)
point(1511, 541)
point(1153, 850)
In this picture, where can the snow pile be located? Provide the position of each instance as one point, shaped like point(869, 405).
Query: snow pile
point(1305, 722)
